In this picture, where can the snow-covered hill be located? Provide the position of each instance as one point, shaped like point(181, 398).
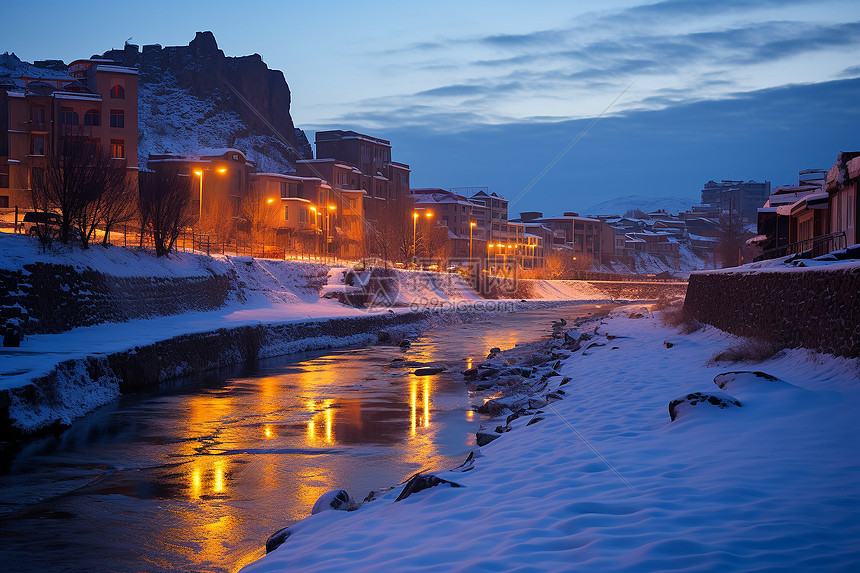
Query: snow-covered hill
point(620, 205)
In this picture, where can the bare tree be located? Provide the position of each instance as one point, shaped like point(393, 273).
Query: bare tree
point(262, 215)
point(165, 206)
point(120, 205)
point(74, 181)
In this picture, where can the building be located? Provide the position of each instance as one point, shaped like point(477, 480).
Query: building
point(742, 197)
point(384, 181)
point(95, 98)
point(583, 234)
point(818, 214)
point(220, 178)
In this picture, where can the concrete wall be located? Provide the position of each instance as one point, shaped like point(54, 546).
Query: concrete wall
point(817, 309)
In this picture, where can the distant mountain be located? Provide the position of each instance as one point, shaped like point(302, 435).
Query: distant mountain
point(620, 205)
point(193, 96)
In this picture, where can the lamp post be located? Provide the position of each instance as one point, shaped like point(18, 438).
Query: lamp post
point(472, 225)
point(489, 248)
point(199, 173)
point(328, 224)
point(414, 231)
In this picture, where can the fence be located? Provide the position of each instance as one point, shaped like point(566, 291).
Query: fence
point(814, 247)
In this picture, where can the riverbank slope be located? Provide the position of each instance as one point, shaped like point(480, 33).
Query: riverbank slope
point(762, 476)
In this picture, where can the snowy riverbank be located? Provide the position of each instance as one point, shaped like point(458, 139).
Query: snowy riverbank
point(607, 481)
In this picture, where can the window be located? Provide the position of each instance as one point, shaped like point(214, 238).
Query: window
point(117, 118)
point(303, 215)
point(4, 201)
point(117, 92)
point(284, 192)
point(92, 117)
point(68, 116)
point(117, 148)
point(286, 212)
point(37, 145)
point(352, 203)
point(37, 115)
point(342, 179)
point(294, 189)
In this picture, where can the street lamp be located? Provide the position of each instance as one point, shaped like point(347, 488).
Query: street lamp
point(414, 231)
point(472, 225)
point(199, 173)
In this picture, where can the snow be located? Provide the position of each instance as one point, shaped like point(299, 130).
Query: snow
point(606, 482)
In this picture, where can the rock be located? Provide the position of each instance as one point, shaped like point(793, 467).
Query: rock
point(511, 361)
point(493, 351)
point(565, 380)
point(404, 344)
point(277, 539)
point(636, 315)
point(428, 371)
point(484, 437)
point(491, 408)
point(534, 420)
point(684, 403)
point(470, 374)
point(749, 380)
point(334, 499)
point(667, 344)
point(535, 403)
point(12, 334)
point(421, 482)
point(383, 336)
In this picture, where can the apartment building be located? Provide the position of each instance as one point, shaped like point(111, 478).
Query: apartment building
point(743, 197)
point(95, 98)
point(384, 181)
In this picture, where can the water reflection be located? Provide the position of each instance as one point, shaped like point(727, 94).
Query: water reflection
point(197, 477)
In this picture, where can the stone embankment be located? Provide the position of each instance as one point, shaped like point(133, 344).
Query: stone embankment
point(75, 387)
point(47, 298)
point(810, 307)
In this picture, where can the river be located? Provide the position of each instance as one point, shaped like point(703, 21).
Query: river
point(196, 476)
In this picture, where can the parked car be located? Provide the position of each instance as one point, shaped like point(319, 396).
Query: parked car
point(45, 224)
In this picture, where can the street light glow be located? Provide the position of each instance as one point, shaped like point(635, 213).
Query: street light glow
point(222, 170)
point(332, 207)
point(198, 173)
point(271, 201)
point(429, 214)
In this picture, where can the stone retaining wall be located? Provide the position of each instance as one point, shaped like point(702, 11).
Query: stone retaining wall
point(817, 309)
point(76, 387)
point(49, 298)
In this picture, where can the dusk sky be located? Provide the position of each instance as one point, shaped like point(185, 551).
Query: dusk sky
point(490, 93)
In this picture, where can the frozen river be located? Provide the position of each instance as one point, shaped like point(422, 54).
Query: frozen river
point(196, 476)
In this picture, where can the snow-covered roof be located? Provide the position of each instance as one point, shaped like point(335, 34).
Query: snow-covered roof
point(217, 151)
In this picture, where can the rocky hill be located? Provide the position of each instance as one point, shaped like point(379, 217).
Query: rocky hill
point(194, 96)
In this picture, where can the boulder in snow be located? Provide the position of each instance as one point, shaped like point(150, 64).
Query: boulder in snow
point(423, 481)
point(751, 380)
point(277, 539)
point(685, 403)
point(334, 499)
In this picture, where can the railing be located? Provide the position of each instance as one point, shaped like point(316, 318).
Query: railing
point(814, 247)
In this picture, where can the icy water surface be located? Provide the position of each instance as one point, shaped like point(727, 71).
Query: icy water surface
point(197, 476)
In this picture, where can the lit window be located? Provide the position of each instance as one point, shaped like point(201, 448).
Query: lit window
point(37, 145)
point(68, 116)
point(117, 148)
point(117, 92)
point(286, 212)
point(92, 117)
point(117, 118)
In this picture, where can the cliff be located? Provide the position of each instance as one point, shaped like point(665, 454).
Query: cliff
point(194, 96)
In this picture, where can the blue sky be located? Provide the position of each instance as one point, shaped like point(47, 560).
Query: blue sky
point(488, 93)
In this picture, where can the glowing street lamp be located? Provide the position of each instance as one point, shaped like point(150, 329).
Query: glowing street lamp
point(414, 231)
point(472, 225)
point(199, 173)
